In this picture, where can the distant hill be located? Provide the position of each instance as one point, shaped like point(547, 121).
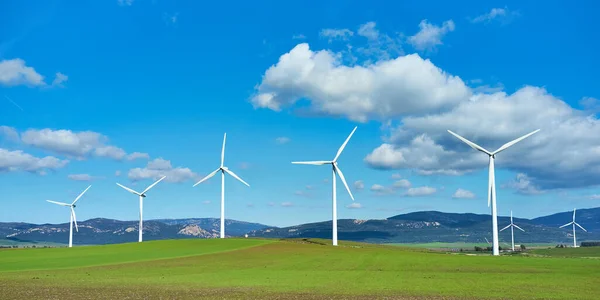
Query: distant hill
point(416, 227)
point(108, 231)
point(434, 226)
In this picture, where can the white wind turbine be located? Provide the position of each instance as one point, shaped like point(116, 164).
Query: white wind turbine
point(73, 217)
point(223, 170)
point(335, 169)
point(492, 181)
point(142, 196)
point(574, 223)
point(512, 231)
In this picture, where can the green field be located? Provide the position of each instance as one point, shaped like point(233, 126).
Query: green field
point(458, 245)
point(291, 269)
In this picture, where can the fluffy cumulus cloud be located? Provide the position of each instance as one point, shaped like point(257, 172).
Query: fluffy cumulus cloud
point(420, 191)
point(565, 153)
point(14, 161)
point(359, 185)
point(9, 133)
point(16, 72)
point(406, 85)
point(430, 35)
point(79, 145)
point(424, 101)
point(354, 205)
point(402, 184)
point(159, 167)
point(336, 34)
point(381, 190)
point(463, 194)
point(498, 14)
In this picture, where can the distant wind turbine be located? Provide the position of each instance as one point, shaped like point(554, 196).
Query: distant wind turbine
point(492, 181)
point(142, 196)
point(73, 217)
point(512, 231)
point(574, 223)
point(223, 170)
point(335, 169)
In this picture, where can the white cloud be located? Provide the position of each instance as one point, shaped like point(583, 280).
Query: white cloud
point(368, 30)
point(82, 177)
point(335, 34)
point(160, 167)
point(390, 88)
point(463, 194)
point(282, 140)
point(117, 173)
point(206, 202)
point(301, 194)
point(502, 14)
point(381, 190)
point(379, 45)
point(359, 185)
point(76, 144)
point(354, 205)
point(10, 133)
point(13, 161)
point(522, 184)
point(396, 176)
point(14, 72)
point(287, 204)
point(402, 184)
point(59, 79)
point(420, 191)
point(430, 35)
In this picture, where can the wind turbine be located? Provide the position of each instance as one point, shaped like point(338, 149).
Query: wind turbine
point(142, 196)
point(223, 170)
point(492, 180)
point(574, 223)
point(512, 231)
point(335, 169)
point(73, 217)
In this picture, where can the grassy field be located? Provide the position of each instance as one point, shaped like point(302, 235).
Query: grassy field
point(459, 245)
point(4, 242)
point(252, 268)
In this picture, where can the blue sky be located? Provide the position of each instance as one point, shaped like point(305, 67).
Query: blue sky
point(89, 90)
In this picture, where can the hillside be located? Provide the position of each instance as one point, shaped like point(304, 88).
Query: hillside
point(433, 226)
point(416, 227)
point(108, 231)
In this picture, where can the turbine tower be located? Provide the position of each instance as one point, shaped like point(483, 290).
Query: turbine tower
point(223, 170)
point(142, 196)
point(574, 223)
point(335, 169)
point(512, 231)
point(73, 217)
point(492, 181)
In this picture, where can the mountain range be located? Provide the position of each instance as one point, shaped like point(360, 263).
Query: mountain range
point(417, 227)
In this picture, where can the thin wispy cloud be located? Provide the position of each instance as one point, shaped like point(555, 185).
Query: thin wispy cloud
point(503, 15)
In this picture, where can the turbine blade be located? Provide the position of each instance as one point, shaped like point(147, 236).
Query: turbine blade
point(128, 189)
point(341, 174)
point(152, 185)
point(473, 145)
point(507, 226)
point(566, 225)
point(76, 199)
point(574, 209)
point(580, 227)
point(505, 146)
point(74, 218)
point(344, 144)
point(59, 203)
point(316, 162)
point(207, 177)
point(518, 227)
point(223, 150)
point(490, 180)
point(235, 176)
